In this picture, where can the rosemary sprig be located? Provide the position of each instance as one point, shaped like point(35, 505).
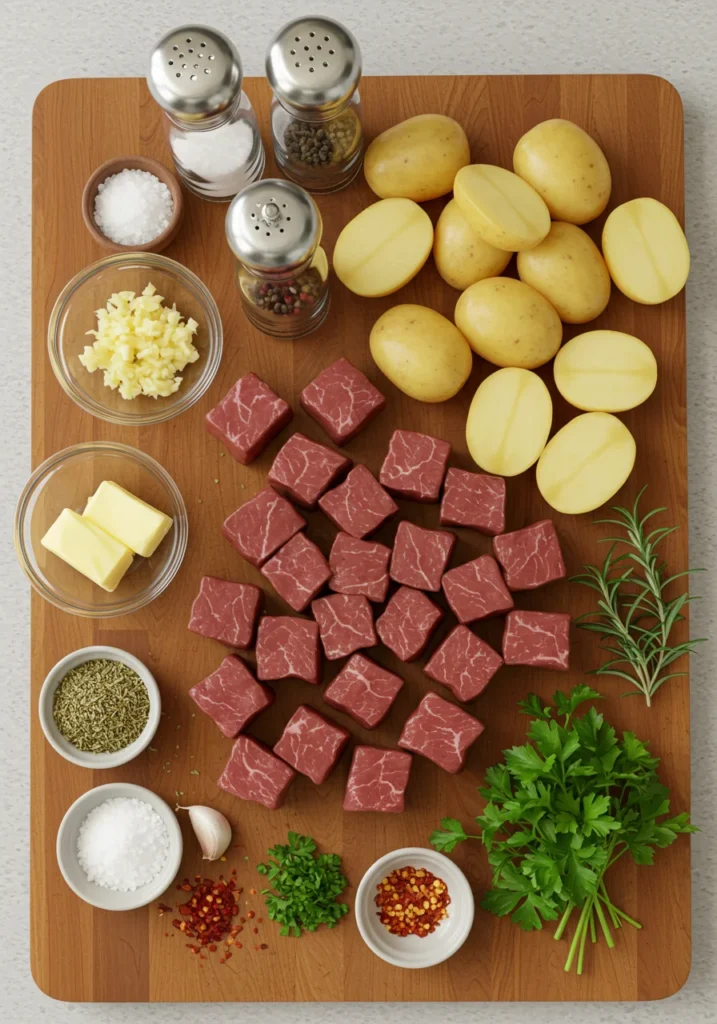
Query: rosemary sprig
point(634, 617)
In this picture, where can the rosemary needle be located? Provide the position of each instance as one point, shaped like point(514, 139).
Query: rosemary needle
point(634, 617)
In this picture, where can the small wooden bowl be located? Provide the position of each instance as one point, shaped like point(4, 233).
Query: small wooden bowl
point(134, 163)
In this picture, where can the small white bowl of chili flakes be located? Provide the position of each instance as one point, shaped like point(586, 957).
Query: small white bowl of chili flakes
point(414, 907)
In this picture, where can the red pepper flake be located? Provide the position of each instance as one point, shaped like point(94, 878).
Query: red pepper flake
point(208, 913)
point(253, 892)
point(250, 914)
point(263, 946)
point(255, 930)
point(412, 901)
point(260, 920)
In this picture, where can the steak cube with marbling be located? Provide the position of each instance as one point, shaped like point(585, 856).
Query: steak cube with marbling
point(530, 557)
point(342, 400)
point(407, 623)
point(476, 590)
point(303, 469)
point(359, 505)
point(475, 500)
point(415, 465)
point(254, 773)
point(441, 732)
point(537, 639)
point(226, 611)
point(288, 648)
point(420, 556)
point(464, 663)
point(359, 567)
point(363, 690)
point(262, 525)
point(312, 744)
point(248, 418)
point(377, 780)
point(298, 572)
point(232, 696)
point(345, 624)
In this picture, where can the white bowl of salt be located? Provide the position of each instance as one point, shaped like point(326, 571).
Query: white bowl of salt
point(119, 846)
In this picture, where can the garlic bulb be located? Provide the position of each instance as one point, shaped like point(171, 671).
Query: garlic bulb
point(211, 829)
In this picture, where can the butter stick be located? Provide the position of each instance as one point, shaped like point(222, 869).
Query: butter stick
point(87, 548)
point(128, 519)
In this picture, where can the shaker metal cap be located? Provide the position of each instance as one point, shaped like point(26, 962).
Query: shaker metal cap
point(194, 72)
point(273, 225)
point(314, 64)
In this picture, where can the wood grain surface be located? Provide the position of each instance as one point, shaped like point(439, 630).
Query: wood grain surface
point(79, 953)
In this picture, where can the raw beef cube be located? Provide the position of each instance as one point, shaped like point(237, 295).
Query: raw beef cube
point(539, 639)
point(530, 557)
point(415, 465)
point(342, 400)
point(262, 525)
point(298, 571)
point(406, 625)
point(475, 590)
point(464, 663)
point(345, 624)
point(247, 418)
point(377, 780)
point(363, 690)
point(359, 567)
point(312, 744)
point(254, 773)
point(359, 505)
point(474, 499)
point(232, 696)
point(441, 732)
point(288, 648)
point(420, 557)
point(226, 611)
point(303, 469)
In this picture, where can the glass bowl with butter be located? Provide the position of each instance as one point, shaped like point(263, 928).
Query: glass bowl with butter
point(100, 529)
point(135, 339)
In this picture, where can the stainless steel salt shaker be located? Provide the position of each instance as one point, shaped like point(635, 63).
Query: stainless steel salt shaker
point(274, 228)
point(314, 68)
point(195, 75)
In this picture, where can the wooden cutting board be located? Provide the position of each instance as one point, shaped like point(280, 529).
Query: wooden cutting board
point(83, 954)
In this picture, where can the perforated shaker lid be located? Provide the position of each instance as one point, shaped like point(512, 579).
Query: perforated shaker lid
point(314, 64)
point(194, 72)
point(273, 225)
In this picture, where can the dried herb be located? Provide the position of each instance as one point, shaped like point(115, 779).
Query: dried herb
point(634, 617)
point(101, 706)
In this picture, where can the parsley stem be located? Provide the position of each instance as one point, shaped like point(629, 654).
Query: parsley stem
point(570, 907)
point(582, 925)
point(604, 925)
point(593, 932)
point(583, 937)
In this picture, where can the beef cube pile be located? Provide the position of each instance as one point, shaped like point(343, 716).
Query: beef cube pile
point(343, 590)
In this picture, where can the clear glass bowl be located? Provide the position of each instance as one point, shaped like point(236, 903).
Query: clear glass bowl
point(74, 314)
point(66, 480)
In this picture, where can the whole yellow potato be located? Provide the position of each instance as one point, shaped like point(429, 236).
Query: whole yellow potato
point(605, 371)
point(569, 271)
point(586, 463)
point(509, 421)
point(567, 167)
point(508, 323)
point(417, 159)
point(421, 352)
point(502, 208)
point(383, 247)
point(646, 251)
point(461, 255)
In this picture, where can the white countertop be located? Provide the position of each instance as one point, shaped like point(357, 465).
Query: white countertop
point(676, 39)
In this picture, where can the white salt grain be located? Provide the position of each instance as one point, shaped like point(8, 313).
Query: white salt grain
point(133, 207)
point(122, 844)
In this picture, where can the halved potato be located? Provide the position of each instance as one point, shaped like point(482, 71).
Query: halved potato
point(506, 211)
point(646, 251)
point(605, 371)
point(509, 421)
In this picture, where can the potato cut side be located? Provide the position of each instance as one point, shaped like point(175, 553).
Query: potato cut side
point(646, 251)
point(509, 421)
point(605, 371)
point(383, 247)
point(506, 211)
point(586, 463)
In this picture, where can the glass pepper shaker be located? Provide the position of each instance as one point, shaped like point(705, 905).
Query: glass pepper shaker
point(274, 227)
point(314, 67)
point(195, 75)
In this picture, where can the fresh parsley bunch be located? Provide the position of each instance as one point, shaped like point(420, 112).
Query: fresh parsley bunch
point(560, 811)
point(306, 886)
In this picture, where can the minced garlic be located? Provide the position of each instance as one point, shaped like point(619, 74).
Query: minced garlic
point(141, 345)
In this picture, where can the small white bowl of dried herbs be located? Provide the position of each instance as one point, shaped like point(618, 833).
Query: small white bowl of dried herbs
point(99, 707)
